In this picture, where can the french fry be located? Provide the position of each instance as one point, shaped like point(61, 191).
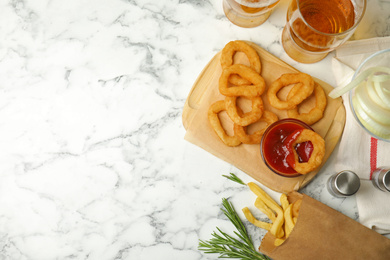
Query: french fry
point(283, 216)
point(289, 222)
point(261, 224)
point(277, 227)
point(279, 241)
point(284, 201)
point(288, 217)
point(266, 210)
point(278, 223)
point(270, 214)
point(261, 193)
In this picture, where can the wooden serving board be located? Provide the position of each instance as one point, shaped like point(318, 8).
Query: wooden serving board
point(247, 157)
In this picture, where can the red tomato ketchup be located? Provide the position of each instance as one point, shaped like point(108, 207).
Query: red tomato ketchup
point(276, 146)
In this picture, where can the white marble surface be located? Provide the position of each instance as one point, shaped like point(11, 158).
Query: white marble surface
point(93, 164)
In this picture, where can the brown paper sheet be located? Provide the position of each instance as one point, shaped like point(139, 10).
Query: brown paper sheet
point(247, 157)
point(324, 233)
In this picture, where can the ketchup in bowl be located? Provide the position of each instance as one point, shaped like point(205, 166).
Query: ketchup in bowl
point(276, 146)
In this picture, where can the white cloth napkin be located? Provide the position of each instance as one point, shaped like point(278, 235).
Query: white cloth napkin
point(358, 151)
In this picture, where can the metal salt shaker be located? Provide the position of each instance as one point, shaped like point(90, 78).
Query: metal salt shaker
point(381, 178)
point(343, 184)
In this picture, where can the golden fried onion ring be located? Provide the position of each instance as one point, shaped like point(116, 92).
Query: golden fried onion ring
point(255, 138)
point(316, 156)
point(240, 118)
point(316, 113)
point(213, 112)
point(306, 87)
point(256, 89)
point(228, 53)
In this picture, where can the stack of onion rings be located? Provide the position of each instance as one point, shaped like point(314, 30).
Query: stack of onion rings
point(240, 81)
point(244, 81)
point(227, 56)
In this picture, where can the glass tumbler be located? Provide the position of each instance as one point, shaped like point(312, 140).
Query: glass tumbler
point(316, 27)
point(248, 13)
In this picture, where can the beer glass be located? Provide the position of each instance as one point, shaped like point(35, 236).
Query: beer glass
point(248, 13)
point(316, 27)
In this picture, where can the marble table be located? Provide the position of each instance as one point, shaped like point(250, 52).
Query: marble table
point(93, 161)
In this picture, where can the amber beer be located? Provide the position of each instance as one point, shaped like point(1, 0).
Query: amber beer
point(248, 13)
point(315, 27)
point(331, 16)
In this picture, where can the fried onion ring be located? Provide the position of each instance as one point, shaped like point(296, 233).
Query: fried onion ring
point(306, 87)
point(316, 156)
point(256, 89)
point(244, 119)
point(255, 138)
point(215, 122)
point(316, 113)
point(228, 53)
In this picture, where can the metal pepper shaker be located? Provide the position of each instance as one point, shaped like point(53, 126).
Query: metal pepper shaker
point(343, 184)
point(381, 178)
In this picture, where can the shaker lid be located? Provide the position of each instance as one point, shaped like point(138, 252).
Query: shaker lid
point(386, 180)
point(347, 183)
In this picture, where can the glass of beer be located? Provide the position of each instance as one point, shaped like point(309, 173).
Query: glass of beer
point(316, 27)
point(248, 13)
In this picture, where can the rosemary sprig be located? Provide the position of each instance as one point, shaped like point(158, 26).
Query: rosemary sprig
point(226, 245)
point(234, 178)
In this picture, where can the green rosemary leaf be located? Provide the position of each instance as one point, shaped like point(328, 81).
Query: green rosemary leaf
point(234, 178)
